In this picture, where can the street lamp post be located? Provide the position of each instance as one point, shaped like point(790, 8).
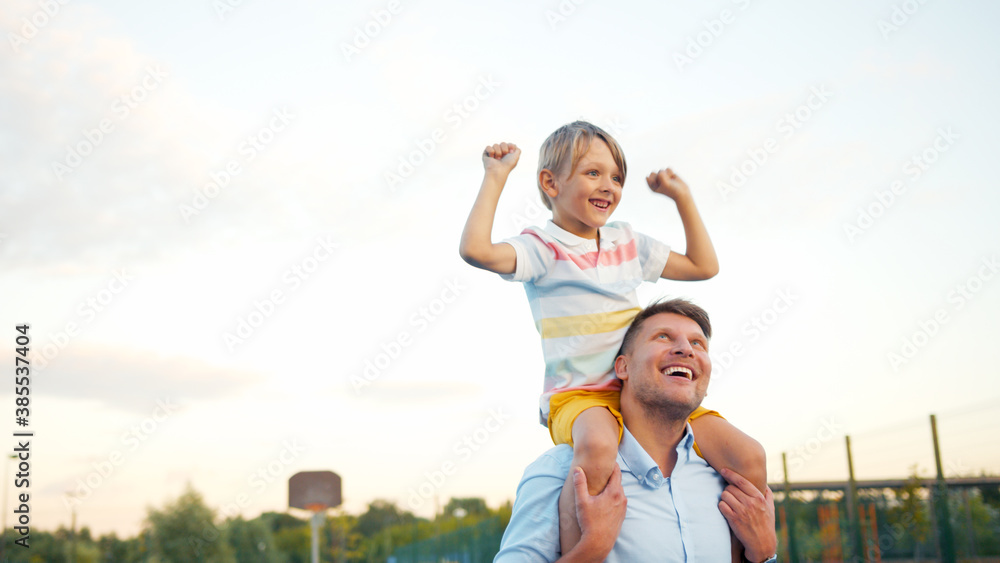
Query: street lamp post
point(72, 528)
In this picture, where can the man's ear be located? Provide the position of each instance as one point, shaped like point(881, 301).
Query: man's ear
point(621, 368)
point(547, 180)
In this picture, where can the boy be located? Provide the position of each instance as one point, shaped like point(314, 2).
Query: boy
point(580, 274)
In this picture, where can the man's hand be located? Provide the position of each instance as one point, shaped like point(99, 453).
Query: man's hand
point(600, 517)
point(667, 183)
point(501, 158)
point(750, 515)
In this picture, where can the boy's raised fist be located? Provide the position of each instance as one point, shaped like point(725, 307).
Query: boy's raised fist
point(668, 183)
point(501, 157)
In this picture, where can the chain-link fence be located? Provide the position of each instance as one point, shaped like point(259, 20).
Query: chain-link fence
point(951, 517)
point(890, 524)
point(478, 543)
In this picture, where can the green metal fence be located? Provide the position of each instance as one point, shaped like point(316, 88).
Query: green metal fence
point(472, 544)
point(885, 526)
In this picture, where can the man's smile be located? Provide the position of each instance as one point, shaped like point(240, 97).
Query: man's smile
point(678, 371)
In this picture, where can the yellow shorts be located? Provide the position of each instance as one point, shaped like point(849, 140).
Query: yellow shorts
point(565, 407)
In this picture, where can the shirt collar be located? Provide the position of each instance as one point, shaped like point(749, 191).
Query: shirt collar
point(608, 235)
point(638, 462)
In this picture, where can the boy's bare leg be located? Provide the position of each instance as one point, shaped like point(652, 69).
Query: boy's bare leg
point(725, 446)
point(595, 449)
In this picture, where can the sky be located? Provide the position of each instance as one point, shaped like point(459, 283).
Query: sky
point(232, 229)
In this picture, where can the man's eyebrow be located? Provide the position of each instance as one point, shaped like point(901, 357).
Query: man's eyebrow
point(690, 336)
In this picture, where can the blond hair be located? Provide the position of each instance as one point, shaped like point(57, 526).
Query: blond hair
point(564, 148)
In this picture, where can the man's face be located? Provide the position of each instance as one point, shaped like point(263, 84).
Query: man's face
point(668, 368)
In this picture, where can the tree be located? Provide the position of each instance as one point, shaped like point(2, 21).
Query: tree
point(44, 547)
point(380, 515)
point(976, 524)
point(343, 541)
point(252, 541)
point(471, 506)
point(294, 543)
point(910, 515)
point(277, 521)
point(119, 551)
point(185, 532)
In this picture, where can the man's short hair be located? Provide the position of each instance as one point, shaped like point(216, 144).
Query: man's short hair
point(678, 306)
point(564, 148)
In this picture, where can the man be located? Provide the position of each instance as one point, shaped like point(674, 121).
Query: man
point(677, 508)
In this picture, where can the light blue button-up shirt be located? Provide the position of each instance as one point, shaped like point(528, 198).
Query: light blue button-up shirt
point(673, 518)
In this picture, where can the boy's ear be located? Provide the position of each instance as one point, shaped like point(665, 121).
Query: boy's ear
point(547, 180)
point(621, 368)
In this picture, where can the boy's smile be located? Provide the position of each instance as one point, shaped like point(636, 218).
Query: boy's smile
point(583, 201)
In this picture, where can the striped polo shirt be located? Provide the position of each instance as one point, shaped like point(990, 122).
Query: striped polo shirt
point(583, 299)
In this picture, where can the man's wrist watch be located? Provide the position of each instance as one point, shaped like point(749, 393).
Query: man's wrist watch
point(771, 559)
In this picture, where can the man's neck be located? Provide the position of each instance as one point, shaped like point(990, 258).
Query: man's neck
point(657, 435)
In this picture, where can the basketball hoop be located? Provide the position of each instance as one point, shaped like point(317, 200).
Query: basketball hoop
point(314, 491)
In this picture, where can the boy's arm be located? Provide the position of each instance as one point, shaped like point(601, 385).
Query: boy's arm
point(477, 247)
point(699, 261)
point(533, 531)
point(600, 517)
